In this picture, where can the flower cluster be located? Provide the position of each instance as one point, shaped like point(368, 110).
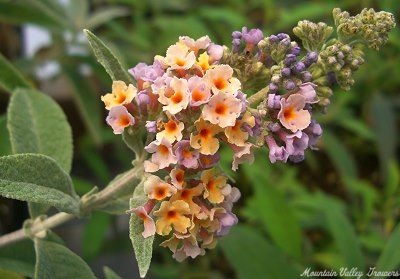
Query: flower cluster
point(192, 101)
point(189, 104)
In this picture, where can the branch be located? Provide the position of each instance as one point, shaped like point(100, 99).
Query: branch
point(258, 97)
point(87, 205)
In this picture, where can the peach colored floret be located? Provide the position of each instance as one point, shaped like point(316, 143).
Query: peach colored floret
point(235, 134)
point(121, 94)
point(292, 114)
point(215, 187)
point(220, 80)
point(157, 189)
point(205, 140)
point(222, 109)
point(148, 222)
point(172, 131)
point(172, 214)
point(179, 56)
point(176, 96)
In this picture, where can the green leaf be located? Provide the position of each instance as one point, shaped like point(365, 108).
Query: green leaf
point(94, 234)
point(252, 256)
point(133, 139)
point(10, 274)
point(54, 261)
point(390, 257)
point(393, 179)
point(37, 178)
point(143, 247)
point(345, 237)
point(84, 99)
point(5, 144)
point(38, 125)
point(107, 59)
point(18, 257)
point(100, 17)
point(18, 12)
point(10, 77)
point(269, 206)
point(384, 125)
point(110, 274)
point(51, 9)
point(339, 155)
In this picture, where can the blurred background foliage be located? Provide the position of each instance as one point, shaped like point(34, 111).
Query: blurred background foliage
point(338, 208)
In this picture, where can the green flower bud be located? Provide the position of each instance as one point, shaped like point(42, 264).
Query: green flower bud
point(313, 35)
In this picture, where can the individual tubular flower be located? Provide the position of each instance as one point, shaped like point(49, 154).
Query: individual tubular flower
point(177, 178)
point(215, 188)
point(162, 155)
point(121, 94)
point(220, 80)
point(119, 118)
point(203, 62)
point(222, 109)
point(186, 157)
point(235, 134)
point(172, 214)
point(276, 153)
point(292, 114)
point(176, 96)
point(179, 56)
point(199, 91)
point(195, 45)
point(205, 140)
point(148, 222)
point(242, 154)
point(172, 131)
point(157, 189)
point(187, 194)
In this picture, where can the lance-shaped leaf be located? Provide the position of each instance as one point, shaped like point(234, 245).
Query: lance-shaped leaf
point(110, 274)
point(107, 59)
point(38, 125)
point(390, 257)
point(143, 247)
point(55, 261)
point(37, 178)
point(10, 77)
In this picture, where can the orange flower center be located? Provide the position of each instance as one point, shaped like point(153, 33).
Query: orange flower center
point(187, 153)
point(120, 98)
point(210, 185)
point(124, 120)
point(171, 126)
point(177, 97)
point(160, 193)
point(185, 194)
point(220, 83)
point(179, 177)
point(220, 109)
point(197, 95)
point(171, 214)
point(204, 133)
point(163, 149)
point(289, 113)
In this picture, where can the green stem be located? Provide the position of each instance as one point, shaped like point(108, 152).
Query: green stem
point(258, 97)
point(88, 204)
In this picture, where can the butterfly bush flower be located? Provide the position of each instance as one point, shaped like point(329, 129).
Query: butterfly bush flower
point(119, 118)
point(199, 97)
point(121, 94)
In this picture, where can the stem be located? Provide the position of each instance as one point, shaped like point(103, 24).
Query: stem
point(258, 97)
point(88, 204)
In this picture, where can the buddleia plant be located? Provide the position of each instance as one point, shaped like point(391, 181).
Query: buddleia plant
point(176, 114)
